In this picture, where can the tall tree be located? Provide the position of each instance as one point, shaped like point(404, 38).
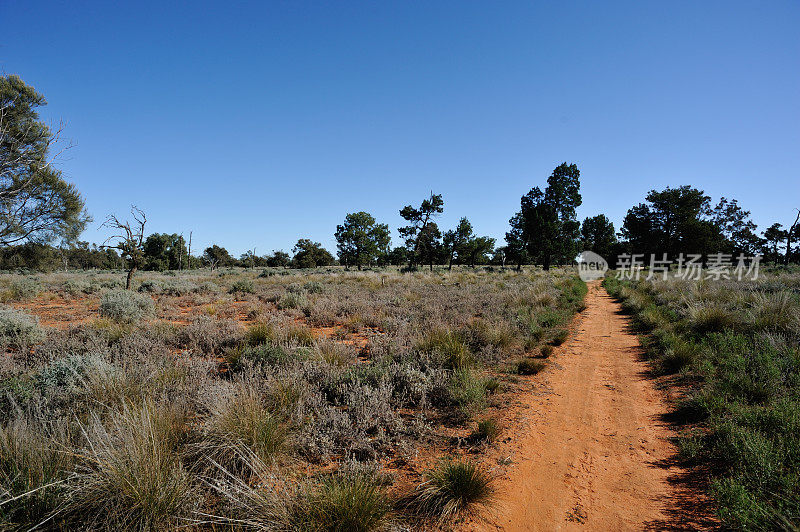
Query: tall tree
point(547, 220)
point(360, 240)
point(36, 202)
point(163, 251)
point(516, 249)
point(791, 233)
point(278, 259)
point(309, 254)
point(774, 235)
point(455, 241)
point(128, 239)
point(429, 244)
point(673, 221)
point(597, 234)
point(418, 222)
point(735, 226)
point(478, 249)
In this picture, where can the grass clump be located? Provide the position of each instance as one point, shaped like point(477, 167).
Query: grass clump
point(132, 476)
point(292, 300)
point(124, 306)
point(487, 430)
point(453, 487)
point(559, 337)
point(546, 351)
point(343, 503)
point(448, 345)
point(530, 366)
point(242, 286)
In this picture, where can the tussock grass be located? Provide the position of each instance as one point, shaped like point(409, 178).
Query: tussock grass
point(452, 488)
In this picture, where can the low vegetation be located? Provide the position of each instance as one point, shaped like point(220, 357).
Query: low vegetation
point(204, 399)
point(735, 345)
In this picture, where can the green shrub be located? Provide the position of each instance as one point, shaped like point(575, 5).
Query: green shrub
point(22, 289)
point(124, 306)
point(453, 487)
point(292, 300)
point(546, 351)
point(243, 286)
point(467, 389)
point(530, 366)
point(18, 329)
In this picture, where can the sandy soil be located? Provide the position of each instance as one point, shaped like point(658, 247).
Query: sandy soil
point(595, 452)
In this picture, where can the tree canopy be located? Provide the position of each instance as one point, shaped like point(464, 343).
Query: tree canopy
point(36, 203)
point(360, 240)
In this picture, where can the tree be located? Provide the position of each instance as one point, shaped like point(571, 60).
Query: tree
point(675, 220)
point(216, 256)
point(455, 241)
point(278, 259)
point(516, 250)
point(773, 236)
point(597, 234)
point(546, 223)
point(36, 203)
point(398, 256)
point(429, 244)
point(736, 227)
point(478, 249)
point(163, 251)
point(419, 219)
point(360, 240)
point(308, 254)
point(128, 238)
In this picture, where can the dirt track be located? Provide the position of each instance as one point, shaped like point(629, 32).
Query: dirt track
point(596, 453)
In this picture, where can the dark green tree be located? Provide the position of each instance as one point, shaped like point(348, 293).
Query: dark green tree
point(736, 227)
point(516, 250)
point(279, 259)
point(455, 242)
point(216, 256)
point(429, 244)
point(360, 240)
point(597, 234)
point(419, 219)
point(308, 254)
point(163, 251)
point(547, 220)
point(36, 202)
point(774, 236)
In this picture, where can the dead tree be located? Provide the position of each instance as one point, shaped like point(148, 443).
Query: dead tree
point(789, 235)
point(129, 240)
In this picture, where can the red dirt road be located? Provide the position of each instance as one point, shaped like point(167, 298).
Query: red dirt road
point(596, 454)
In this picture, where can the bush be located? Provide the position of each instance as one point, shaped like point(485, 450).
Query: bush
point(22, 289)
point(559, 337)
point(18, 329)
point(343, 504)
point(243, 286)
point(546, 351)
point(467, 389)
point(530, 366)
point(292, 300)
point(452, 488)
point(124, 306)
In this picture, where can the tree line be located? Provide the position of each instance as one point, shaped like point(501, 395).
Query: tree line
point(42, 216)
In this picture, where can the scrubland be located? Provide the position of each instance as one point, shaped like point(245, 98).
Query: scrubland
point(265, 399)
point(734, 348)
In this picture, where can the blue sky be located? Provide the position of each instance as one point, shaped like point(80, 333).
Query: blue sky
point(254, 124)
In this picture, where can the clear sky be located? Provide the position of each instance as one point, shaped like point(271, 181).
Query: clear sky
point(254, 124)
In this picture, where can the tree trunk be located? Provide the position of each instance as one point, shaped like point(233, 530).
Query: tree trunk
point(546, 262)
point(130, 277)
point(789, 238)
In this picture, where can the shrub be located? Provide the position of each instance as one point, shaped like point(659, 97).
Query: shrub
point(530, 366)
point(709, 318)
point(452, 488)
point(22, 289)
point(343, 504)
point(467, 389)
point(124, 306)
point(18, 329)
point(313, 287)
point(243, 286)
point(292, 300)
point(546, 351)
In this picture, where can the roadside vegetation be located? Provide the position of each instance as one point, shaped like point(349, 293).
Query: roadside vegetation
point(206, 399)
point(735, 346)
